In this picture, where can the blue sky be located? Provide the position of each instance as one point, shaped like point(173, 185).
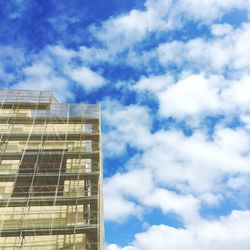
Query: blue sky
point(173, 79)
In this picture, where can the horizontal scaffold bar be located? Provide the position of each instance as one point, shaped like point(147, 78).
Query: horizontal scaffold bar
point(53, 120)
point(54, 137)
point(63, 176)
point(84, 229)
point(25, 105)
point(66, 154)
point(48, 201)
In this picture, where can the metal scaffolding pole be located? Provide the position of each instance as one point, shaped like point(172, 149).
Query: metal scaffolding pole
point(50, 173)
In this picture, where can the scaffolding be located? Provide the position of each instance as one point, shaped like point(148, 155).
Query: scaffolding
point(50, 173)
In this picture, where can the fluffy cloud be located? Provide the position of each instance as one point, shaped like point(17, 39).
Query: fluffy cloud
point(181, 174)
point(195, 96)
point(122, 31)
point(117, 189)
point(228, 49)
point(201, 162)
point(86, 78)
point(40, 76)
point(52, 69)
point(121, 188)
point(208, 11)
point(119, 32)
point(119, 209)
point(221, 29)
point(194, 166)
point(236, 97)
point(189, 97)
point(125, 125)
point(115, 247)
point(227, 233)
point(154, 84)
point(81, 74)
point(87, 56)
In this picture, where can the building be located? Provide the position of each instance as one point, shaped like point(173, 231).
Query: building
point(50, 173)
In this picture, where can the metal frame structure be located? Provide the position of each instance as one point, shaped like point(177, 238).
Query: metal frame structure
point(50, 173)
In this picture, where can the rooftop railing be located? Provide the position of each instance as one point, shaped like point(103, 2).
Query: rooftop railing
point(30, 96)
point(63, 110)
point(47, 105)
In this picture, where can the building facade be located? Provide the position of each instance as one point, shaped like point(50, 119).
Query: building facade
point(50, 173)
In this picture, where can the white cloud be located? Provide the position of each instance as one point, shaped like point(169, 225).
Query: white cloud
point(86, 78)
point(115, 247)
point(185, 206)
point(87, 55)
point(215, 54)
point(52, 69)
point(209, 10)
point(210, 199)
point(119, 183)
point(81, 74)
point(94, 55)
point(153, 84)
point(118, 209)
point(202, 163)
point(194, 97)
point(234, 140)
point(246, 121)
point(42, 76)
point(121, 188)
point(189, 97)
point(229, 233)
point(237, 96)
point(118, 188)
point(38, 70)
point(240, 182)
point(222, 29)
point(120, 32)
point(61, 52)
point(127, 125)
